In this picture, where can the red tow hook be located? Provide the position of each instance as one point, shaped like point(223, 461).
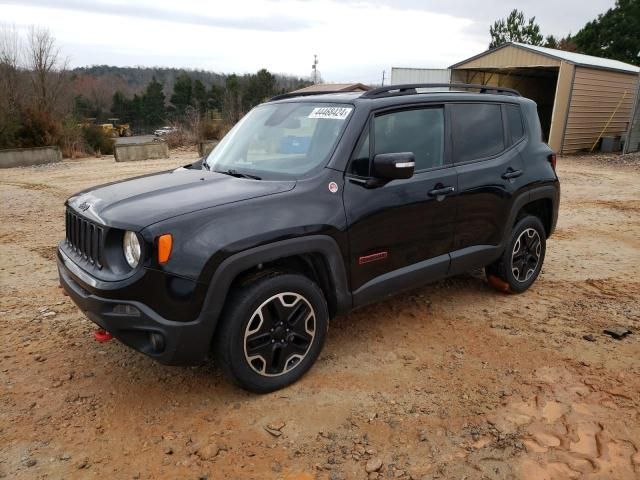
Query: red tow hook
point(102, 335)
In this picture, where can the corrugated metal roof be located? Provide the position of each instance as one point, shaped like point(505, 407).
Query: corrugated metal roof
point(400, 75)
point(582, 59)
point(334, 87)
point(560, 55)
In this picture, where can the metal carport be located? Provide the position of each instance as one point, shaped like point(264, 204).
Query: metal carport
point(580, 97)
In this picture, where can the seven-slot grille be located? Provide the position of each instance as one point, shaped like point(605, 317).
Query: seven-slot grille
point(85, 238)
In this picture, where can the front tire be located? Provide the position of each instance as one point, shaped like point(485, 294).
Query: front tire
point(272, 332)
point(522, 259)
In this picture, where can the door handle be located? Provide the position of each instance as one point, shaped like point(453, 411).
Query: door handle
point(509, 174)
point(437, 192)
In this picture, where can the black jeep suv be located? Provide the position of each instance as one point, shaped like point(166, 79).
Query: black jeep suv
point(309, 207)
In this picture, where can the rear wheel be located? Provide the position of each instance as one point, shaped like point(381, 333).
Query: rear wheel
point(522, 260)
point(272, 332)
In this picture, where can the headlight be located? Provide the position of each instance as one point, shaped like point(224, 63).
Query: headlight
point(131, 248)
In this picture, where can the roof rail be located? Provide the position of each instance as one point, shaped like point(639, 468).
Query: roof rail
point(410, 89)
point(283, 96)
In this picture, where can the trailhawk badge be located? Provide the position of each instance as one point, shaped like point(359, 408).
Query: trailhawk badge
point(333, 187)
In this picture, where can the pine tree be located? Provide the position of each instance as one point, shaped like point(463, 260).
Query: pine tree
point(515, 29)
point(182, 96)
point(615, 34)
point(200, 97)
point(153, 109)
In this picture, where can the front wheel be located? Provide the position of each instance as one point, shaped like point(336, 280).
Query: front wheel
point(522, 260)
point(272, 332)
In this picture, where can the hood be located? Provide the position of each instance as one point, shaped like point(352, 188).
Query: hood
point(139, 202)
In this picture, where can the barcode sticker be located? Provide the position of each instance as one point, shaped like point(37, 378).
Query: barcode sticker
point(333, 113)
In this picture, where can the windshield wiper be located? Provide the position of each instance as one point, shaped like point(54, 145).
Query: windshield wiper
point(237, 174)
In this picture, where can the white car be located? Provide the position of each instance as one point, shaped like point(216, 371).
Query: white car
point(161, 132)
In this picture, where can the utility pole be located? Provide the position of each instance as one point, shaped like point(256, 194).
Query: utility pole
point(383, 74)
point(314, 70)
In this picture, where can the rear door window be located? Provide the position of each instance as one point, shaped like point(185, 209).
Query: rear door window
point(477, 131)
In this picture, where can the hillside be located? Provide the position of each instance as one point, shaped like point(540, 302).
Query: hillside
point(137, 78)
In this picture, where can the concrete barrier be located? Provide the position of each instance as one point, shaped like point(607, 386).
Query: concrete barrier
point(206, 146)
point(25, 157)
point(133, 152)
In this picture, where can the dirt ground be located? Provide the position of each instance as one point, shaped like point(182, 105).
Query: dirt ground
point(452, 381)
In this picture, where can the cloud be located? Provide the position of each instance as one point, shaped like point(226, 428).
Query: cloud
point(355, 39)
point(554, 16)
point(280, 22)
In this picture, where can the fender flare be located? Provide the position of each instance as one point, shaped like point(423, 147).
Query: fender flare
point(549, 192)
point(232, 266)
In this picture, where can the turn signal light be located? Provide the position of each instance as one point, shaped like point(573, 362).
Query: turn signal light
point(165, 243)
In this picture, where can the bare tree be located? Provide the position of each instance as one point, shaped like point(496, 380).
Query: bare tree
point(10, 84)
point(10, 52)
point(48, 70)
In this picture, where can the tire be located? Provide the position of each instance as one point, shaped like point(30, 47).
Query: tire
point(521, 262)
point(272, 332)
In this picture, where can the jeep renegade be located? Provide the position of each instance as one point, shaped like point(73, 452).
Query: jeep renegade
point(312, 205)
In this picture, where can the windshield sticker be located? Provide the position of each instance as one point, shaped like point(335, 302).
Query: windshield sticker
point(333, 113)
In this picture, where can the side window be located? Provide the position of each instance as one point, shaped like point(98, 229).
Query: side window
point(477, 131)
point(420, 131)
point(514, 120)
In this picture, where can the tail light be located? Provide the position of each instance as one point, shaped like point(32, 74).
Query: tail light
point(552, 161)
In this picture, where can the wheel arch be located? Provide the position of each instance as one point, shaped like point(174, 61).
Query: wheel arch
point(541, 202)
point(317, 256)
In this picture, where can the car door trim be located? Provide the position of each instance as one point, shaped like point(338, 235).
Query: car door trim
point(404, 278)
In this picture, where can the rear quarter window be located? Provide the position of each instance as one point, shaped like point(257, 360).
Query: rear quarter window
point(477, 131)
point(514, 120)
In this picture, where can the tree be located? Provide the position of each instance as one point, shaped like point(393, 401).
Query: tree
point(153, 110)
point(551, 42)
point(232, 99)
point(10, 85)
point(94, 95)
point(127, 110)
point(565, 43)
point(515, 29)
point(182, 96)
point(615, 34)
point(215, 97)
point(200, 97)
point(47, 69)
point(260, 87)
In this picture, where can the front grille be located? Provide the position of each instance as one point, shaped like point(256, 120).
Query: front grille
point(85, 238)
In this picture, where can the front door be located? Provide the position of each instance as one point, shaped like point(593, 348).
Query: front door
point(401, 232)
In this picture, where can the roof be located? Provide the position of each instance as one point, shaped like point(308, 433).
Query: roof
point(570, 57)
point(334, 87)
point(355, 98)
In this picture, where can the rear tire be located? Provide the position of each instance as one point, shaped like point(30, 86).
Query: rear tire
point(272, 332)
point(522, 259)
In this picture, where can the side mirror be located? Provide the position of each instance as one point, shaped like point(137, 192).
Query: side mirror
point(394, 166)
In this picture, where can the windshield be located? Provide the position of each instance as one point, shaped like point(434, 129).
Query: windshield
point(280, 140)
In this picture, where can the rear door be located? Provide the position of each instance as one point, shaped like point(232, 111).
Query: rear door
point(486, 140)
point(401, 231)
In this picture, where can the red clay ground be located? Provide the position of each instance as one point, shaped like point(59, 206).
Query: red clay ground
point(450, 381)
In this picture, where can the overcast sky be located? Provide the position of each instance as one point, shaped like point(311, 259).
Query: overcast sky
point(355, 40)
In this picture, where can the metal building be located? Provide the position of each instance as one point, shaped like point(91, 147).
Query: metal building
point(580, 98)
point(632, 142)
point(334, 87)
point(419, 75)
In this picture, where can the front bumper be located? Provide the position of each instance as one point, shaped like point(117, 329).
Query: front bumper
point(136, 325)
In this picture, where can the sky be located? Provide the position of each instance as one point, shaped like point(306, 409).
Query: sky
point(355, 40)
